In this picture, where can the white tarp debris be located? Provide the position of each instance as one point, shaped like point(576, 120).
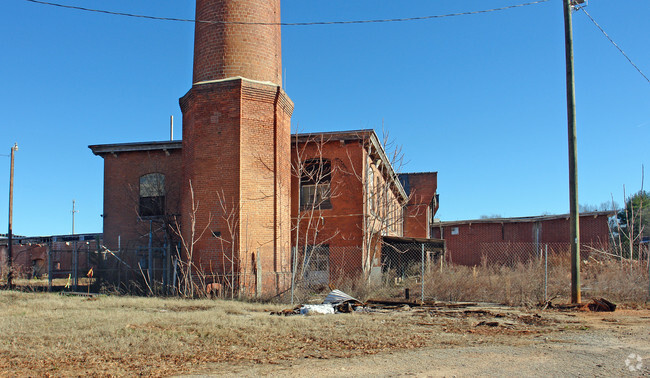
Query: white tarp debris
point(337, 296)
point(317, 309)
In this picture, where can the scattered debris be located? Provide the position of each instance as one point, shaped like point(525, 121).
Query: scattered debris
point(339, 302)
point(342, 302)
point(596, 305)
point(317, 309)
point(488, 324)
point(601, 305)
point(294, 311)
point(77, 294)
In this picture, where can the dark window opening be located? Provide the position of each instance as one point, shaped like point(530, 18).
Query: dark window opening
point(152, 195)
point(315, 188)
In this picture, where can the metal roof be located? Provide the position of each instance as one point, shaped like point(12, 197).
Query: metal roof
point(523, 219)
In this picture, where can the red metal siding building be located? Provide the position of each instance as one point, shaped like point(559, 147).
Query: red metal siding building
point(468, 241)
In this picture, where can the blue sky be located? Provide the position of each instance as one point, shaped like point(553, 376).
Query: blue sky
point(479, 98)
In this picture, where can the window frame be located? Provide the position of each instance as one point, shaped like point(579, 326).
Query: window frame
point(151, 206)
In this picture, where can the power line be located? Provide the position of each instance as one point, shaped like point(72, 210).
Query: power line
point(287, 23)
point(614, 43)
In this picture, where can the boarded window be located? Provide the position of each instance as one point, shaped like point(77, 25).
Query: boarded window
point(152, 195)
point(315, 188)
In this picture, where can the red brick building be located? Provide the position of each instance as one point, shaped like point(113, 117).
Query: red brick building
point(469, 241)
point(226, 193)
point(57, 255)
point(345, 197)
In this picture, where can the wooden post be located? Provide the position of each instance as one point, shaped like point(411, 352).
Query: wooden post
point(573, 156)
point(258, 275)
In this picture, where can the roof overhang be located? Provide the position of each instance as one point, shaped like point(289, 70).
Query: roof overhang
point(103, 149)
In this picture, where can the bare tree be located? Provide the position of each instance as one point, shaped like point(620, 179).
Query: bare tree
point(320, 181)
point(384, 197)
point(190, 272)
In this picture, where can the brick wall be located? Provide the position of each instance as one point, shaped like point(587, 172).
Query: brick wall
point(228, 50)
point(341, 225)
point(236, 154)
point(422, 188)
point(122, 172)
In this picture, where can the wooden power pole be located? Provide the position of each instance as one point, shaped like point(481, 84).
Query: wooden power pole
point(14, 148)
point(573, 153)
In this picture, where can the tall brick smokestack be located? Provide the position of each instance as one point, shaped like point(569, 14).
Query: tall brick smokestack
point(236, 149)
point(228, 49)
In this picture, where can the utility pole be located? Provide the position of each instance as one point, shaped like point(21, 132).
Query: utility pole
point(573, 153)
point(73, 211)
point(10, 247)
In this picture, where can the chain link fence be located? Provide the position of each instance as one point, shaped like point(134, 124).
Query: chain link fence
point(509, 272)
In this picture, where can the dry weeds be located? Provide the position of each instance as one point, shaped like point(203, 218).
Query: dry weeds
point(49, 334)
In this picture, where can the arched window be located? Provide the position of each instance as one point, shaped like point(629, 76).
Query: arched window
point(152, 195)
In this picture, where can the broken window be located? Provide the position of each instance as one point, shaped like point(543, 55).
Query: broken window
point(152, 195)
point(315, 188)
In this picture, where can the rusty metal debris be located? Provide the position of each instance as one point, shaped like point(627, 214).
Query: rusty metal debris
point(601, 305)
point(344, 303)
point(596, 305)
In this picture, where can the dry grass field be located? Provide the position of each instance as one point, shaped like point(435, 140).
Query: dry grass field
point(52, 335)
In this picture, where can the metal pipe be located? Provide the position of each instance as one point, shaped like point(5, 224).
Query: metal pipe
point(171, 127)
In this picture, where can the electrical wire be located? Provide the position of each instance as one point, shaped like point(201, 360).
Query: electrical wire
point(287, 23)
point(614, 43)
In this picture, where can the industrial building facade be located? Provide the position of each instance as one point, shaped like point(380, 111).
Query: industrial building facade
point(230, 196)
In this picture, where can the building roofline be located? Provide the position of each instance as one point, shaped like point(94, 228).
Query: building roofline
point(523, 219)
point(52, 238)
point(418, 173)
point(407, 239)
point(335, 135)
point(102, 149)
point(361, 134)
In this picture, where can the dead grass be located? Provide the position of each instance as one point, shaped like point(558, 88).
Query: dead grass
point(49, 334)
point(518, 284)
point(523, 283)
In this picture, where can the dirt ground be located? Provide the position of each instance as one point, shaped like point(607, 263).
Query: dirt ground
point(549, 343)
point(71, 335)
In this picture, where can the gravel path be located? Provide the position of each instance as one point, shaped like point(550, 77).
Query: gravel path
point(595, 344)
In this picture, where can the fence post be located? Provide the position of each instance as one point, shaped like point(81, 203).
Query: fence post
point(545, 273)
point(293, 271)
point(75, 264)
point(49, 266)
point(422, 275)
point(258, 275)
point(150, 255)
